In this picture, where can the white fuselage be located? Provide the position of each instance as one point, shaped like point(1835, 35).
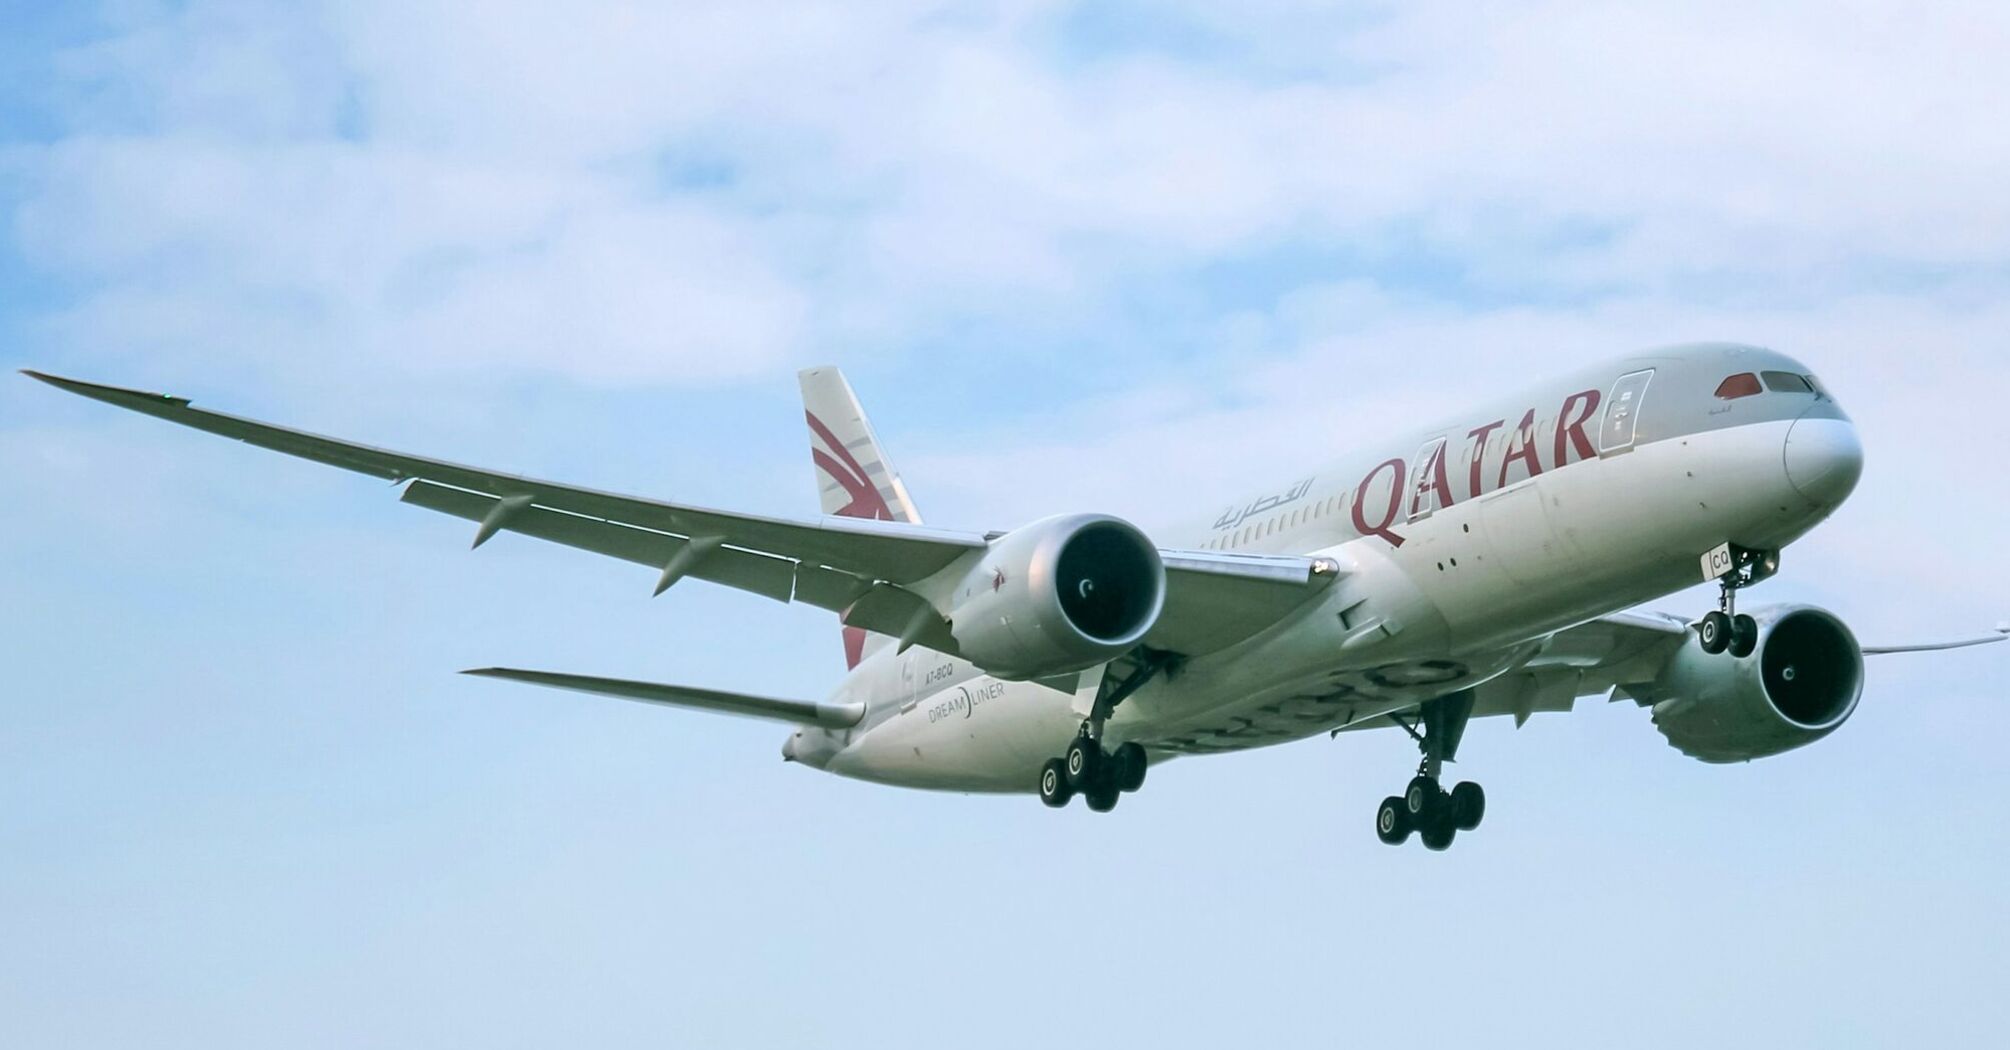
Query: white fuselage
point(1459, 557)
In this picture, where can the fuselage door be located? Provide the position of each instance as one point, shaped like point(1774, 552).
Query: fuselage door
point(1622, 412)
point(908, 670)
point(1430, 480)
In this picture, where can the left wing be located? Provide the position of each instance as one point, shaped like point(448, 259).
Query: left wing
point(1607, 654)
point(860, 568)
point(2002, 634)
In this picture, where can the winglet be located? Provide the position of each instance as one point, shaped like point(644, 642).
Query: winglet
point(116, 395)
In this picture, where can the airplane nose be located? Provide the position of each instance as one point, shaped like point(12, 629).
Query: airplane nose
point(1824, 459)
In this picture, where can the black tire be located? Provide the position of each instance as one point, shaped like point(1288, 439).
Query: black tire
point(1392, 822)
point(1102, 799)
point(1129, 763)
point(1438, 835)
point(1054, 788)
point(1084, 763)
point(1420, 800)
point(1469, 806)
point(1744, 636)
point(1715, 633)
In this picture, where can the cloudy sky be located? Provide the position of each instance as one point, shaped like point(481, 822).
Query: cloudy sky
point(1117, 256)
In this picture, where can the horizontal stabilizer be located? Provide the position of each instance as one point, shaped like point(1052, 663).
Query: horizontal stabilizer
point(799, 712)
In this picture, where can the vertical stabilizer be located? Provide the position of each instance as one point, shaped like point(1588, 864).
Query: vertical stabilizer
point(854, 477)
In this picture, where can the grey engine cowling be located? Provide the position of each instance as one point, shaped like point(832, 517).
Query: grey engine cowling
point(1057, 596)
point(1801, 684)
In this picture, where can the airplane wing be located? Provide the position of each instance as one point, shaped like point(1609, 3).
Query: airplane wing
point(2002, 634)
point(857, 567)
point(799, 712)
point(1607, 654)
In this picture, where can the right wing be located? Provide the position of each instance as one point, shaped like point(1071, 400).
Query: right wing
point(799, 712)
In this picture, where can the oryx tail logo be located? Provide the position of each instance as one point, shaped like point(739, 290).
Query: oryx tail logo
point(837, 461)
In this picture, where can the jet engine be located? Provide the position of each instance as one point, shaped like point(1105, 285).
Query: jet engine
point(1060, 595)
point(1801, 684)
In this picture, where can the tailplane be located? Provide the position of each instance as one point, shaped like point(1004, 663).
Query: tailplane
point(854, 477)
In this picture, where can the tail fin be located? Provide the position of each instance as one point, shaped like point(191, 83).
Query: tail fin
point(854, 477)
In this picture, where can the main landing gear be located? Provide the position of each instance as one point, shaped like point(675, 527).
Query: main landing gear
point(1102, 776)
point(1425, 808)
point(1725, 630)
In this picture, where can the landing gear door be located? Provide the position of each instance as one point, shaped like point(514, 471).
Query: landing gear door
point(1622, 412)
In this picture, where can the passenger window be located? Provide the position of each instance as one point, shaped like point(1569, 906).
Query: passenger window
point(1787, 383)
point(1744, 384)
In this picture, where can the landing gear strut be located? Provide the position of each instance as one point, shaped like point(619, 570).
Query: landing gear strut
point(1725, 630)
point(1425, 808)
point(1101, 776)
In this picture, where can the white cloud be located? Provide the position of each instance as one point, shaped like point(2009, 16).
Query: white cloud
point(481, 190)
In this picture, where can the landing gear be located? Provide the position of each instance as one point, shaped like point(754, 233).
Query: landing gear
point(1392, 822)
point(1715, 632)
point(1744, 636)
point(1469, 803)
point(1054, 788)
point(1099, 776)
point(1725, 630)
point(1102, 777)
point(1425, 808)
point(1085, 763)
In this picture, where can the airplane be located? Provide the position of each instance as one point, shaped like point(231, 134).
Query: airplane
point(1489, 565)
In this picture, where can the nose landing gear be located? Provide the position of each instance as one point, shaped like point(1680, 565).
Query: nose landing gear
point(1725, 630)
point(1425, 808)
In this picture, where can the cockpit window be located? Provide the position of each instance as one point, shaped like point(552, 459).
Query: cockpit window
point(1744, 384)
point(1787, 383)
point(1820, 390)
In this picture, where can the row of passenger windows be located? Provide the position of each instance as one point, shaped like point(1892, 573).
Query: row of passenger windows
point(1747, 384)
point(1251, 533)
point(1457, 470)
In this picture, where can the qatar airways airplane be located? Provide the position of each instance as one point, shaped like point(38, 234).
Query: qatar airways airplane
point(1480, 567)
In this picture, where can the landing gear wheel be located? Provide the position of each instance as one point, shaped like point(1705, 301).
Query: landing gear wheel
point(1469, 806)
point(1102, 798)
point(1420, 799)
point(1438, 835)
point(1054, 788)
point(1392, 822)
point(1744, 636)
point(1715, 633)
point(1127, 767)
point(1084, 763)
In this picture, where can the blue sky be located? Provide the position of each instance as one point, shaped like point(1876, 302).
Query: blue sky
point(1114, 256)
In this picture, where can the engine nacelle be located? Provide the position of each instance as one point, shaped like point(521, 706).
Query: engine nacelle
point(1801, 684)
point(1057, 596)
